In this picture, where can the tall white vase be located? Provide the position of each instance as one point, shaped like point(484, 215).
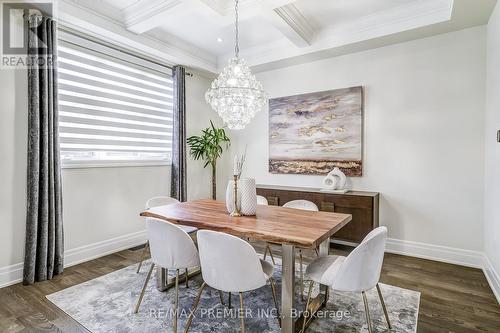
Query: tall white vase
point(248, 196)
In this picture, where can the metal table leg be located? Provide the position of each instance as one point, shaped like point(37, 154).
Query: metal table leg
point(324, 250)
point(288, 289)
point(163, 282)
point(318, 302)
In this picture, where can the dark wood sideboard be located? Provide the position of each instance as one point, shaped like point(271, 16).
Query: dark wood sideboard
point(364, 206)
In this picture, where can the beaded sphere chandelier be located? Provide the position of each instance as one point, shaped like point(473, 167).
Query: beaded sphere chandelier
point(236, 95)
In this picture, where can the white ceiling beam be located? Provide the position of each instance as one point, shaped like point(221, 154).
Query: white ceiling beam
point(216, 6)
point(223, 10)
point(291, 23)
point(145, 15)
point(247, 7)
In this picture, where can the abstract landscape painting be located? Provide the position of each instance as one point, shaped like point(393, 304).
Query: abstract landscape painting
point(313, 133)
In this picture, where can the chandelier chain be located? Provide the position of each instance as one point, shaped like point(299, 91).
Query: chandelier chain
point(236, 45)
point(235, 94)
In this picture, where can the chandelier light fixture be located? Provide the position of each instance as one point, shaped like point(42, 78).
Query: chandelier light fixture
point(236, 95)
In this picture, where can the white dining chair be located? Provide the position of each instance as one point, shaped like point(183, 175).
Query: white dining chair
point(230, 264)
point(262, 200)
point(162, 201)
point(171, 248)
point(304, 205)
point(358, 272)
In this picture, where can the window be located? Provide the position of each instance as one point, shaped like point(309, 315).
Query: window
point(114, 108)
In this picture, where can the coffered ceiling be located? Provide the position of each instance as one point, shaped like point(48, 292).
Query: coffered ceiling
point(277, 32)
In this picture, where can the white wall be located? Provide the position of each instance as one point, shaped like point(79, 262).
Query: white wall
point(13, 141)
point(492, 171)
point(100, 205)
point(103, 203)
point(423, 132)
point(199, 114)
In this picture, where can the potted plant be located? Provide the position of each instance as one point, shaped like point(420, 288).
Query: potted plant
point(209, 147)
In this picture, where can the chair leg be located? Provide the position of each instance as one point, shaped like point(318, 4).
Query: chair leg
point(242, 314)
point(187, 278)
point(273, 289)
point(195, 305)
point(367, 313)
point(301, 276)
point(306, 319)
point(271, 254)
point(383, 306)
point(268, 248)
point(176, 306)
point(139, 301)
point(229, 300)
point(143, 254)
point(221, 296)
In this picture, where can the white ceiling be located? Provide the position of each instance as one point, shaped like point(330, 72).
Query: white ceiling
point(273, 31)
point(327, 14)
point(200, 29)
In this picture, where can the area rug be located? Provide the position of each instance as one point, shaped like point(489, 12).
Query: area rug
point(106, 304)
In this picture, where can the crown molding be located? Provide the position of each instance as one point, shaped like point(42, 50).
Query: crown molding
point(366, 29)
point(290, 21)
point(81, 18)
point(145, 15)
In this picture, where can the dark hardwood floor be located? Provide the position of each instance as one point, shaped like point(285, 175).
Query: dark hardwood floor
point(453, 298)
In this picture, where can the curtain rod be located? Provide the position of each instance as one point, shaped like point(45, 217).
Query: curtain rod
point(112, 46)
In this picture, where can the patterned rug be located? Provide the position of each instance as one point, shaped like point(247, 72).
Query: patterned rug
point(106, 304)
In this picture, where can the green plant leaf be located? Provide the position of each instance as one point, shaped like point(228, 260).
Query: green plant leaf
point(209, 146)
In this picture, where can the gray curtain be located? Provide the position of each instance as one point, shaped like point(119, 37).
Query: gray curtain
point(44, 246)
point(178, 180)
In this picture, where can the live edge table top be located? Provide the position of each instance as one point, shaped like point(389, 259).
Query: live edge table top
point(272, 223)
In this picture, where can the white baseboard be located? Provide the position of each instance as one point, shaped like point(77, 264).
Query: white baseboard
point(492, 277)
point(449, 255)
point(446, 254)
point(92, 251)
point(13, 274)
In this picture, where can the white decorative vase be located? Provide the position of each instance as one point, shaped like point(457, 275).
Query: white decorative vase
point(329, 182)
point(230, 196)
point(341, 178)
point(334, 182)
point(248, 194)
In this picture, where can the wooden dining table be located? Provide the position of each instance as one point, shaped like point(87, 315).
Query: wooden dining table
point(286, 226)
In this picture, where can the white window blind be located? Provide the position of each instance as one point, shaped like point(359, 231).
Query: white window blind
point(114, 108)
